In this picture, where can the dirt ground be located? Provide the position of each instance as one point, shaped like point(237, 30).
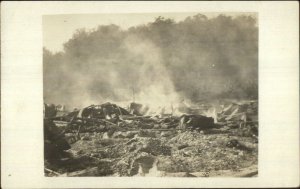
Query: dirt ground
point(218, 152)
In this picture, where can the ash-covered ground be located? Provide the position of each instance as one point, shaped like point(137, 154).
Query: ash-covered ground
point(205, 140)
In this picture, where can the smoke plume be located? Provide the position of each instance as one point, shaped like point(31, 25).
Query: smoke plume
point(157, 63)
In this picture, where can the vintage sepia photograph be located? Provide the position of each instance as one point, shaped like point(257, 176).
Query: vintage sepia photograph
point(151, 94)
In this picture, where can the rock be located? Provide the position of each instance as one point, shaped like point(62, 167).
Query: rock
point(196, 122)
point(130, 134)
point(101, 128)
point(93, 155)
point(103, 169)
point(233, 143)
point(105, 136)
point(85, 138)
point(83, 173)
point(165, 126)
point(156, 126)
point(166, 133)
point(118, 134)
point(145, 162)
point(182, 146)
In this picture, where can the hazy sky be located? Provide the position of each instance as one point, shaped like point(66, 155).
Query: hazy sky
point(58, 29)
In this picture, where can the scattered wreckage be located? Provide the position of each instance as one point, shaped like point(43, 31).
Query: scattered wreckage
point(108, 140)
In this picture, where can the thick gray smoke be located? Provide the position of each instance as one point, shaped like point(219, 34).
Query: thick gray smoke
point(195, 59)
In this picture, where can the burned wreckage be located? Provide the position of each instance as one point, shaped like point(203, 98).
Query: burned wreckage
point(109, 140)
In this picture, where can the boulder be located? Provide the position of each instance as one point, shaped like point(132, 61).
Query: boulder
point(196, 122)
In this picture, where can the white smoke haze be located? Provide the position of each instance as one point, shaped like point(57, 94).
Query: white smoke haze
point(156, 87)
point(159, 64)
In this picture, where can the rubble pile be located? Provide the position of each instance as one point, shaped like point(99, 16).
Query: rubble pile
point(108, 140)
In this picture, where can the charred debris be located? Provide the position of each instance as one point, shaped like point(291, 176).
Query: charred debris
point(109, 140)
